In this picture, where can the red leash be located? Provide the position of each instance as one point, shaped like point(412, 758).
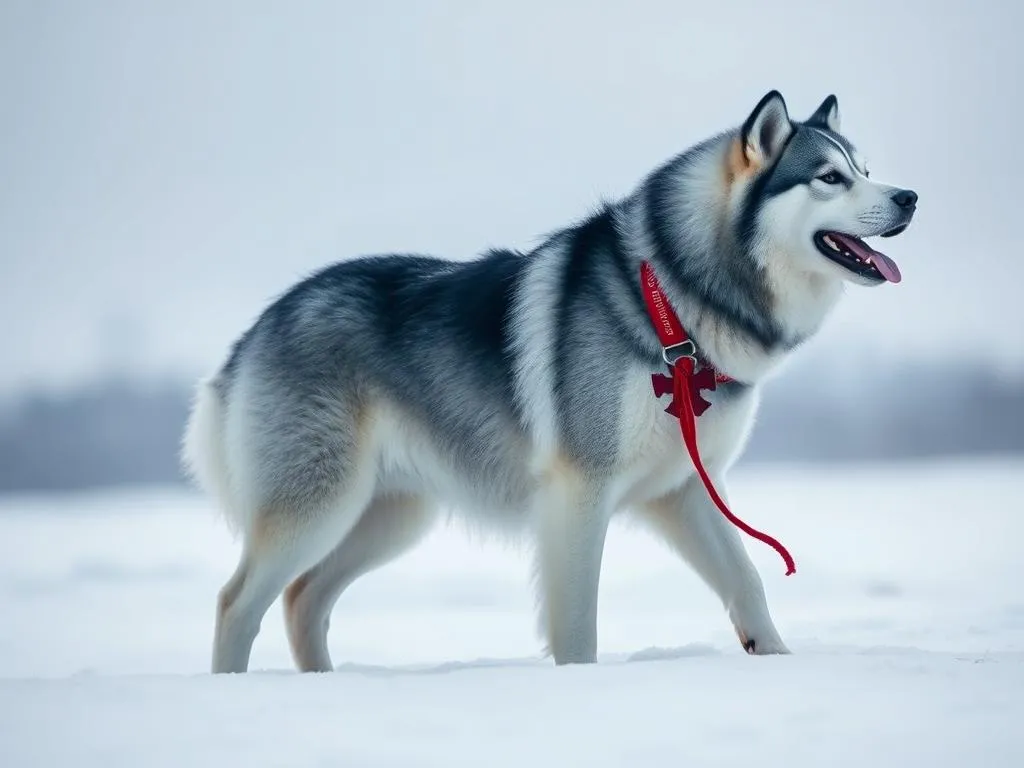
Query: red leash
point(681, 355)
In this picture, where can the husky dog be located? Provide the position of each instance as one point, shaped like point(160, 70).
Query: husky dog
point(515, 389)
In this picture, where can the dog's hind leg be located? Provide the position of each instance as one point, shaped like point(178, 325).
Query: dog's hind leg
point(303, 468)
point(571, 525)
point(391, 525)
point(694, 527)
point(281, 543)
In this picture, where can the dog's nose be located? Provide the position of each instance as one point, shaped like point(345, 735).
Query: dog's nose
point(905, 198)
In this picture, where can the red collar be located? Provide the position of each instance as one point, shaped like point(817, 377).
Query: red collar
point(676, 346)
point(681, 355)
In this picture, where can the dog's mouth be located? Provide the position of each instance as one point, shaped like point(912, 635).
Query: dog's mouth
point(856, 256)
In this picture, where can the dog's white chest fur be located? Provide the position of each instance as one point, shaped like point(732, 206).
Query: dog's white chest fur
point(653, 458)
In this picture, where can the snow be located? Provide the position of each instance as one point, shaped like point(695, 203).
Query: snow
point(906, 618)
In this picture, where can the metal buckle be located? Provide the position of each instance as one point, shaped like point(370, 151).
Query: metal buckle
point(676, 352)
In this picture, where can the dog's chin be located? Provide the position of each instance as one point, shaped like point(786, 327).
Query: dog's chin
point(855, 260)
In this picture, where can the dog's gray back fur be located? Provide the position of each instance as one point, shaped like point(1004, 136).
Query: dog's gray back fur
point(427, 335)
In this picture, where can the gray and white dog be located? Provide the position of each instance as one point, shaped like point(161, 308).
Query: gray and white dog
point(515, 389)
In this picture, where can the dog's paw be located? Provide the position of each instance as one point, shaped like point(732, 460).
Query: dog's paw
point(763, 646)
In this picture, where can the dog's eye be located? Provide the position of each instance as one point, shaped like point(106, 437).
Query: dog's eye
point(830, 178)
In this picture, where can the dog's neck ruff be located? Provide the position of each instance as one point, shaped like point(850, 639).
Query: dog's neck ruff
point(681, 354)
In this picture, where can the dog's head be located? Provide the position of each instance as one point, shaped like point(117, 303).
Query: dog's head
point(805, 194)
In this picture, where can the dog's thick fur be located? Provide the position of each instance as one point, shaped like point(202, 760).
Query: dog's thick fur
point(515, 389)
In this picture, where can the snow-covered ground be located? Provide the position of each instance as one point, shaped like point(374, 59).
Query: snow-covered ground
point(906, 618)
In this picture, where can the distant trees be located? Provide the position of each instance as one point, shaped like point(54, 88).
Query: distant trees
point(890, 412)
point(115, 434)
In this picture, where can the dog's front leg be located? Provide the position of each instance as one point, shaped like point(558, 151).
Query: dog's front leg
point(571, 519)
point(692, 525)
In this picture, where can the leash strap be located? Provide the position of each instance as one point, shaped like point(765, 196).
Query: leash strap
point(680, 353)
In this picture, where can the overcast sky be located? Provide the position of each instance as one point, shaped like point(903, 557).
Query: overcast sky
point(166, 168)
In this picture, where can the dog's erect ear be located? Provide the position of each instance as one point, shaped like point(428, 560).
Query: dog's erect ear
point(767, 130)
point(827, 115)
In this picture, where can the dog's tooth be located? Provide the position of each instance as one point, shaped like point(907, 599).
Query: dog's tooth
point(831, 243)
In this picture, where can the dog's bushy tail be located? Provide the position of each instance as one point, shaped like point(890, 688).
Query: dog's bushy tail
point(203, 454)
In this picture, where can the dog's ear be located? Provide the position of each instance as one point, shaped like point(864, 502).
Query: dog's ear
point(767, 130)
point(827, 115)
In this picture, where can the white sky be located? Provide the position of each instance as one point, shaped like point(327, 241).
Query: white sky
point(167, 168)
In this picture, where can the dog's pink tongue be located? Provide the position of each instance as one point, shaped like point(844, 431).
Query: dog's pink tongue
point(886, 266)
